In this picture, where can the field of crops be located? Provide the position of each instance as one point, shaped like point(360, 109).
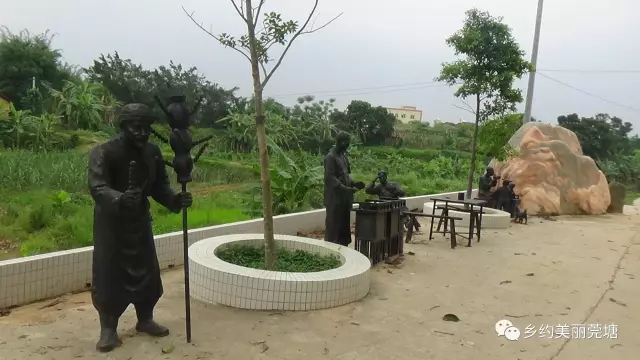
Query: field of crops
point(46, 205)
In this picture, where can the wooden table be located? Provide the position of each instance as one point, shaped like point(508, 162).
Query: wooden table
point(472, 206)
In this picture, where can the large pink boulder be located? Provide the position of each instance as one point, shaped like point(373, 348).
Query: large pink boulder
point(551, 174)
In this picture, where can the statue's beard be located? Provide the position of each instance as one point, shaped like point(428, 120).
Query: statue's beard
point(139, 142)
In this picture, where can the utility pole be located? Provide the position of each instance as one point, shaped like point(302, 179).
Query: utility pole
point(534, 61)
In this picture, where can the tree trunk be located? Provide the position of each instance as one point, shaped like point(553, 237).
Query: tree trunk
point(474, 142)
point(265, 177)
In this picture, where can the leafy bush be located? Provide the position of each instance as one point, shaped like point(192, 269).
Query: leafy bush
point(418, 154)
point(240, 131)
point(295, 185)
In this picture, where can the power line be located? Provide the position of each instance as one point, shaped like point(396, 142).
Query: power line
point(589, 94)
point(593, 71)
point(419, 84)
point(430, 84)
point(375, 90)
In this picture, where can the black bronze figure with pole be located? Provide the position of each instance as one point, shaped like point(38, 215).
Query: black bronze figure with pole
point(123, 173)
point(182, 143)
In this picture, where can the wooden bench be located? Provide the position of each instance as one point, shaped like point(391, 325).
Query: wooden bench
point(475, 220)
point(451, 222)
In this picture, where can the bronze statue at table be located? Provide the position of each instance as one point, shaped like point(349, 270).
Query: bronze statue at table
point(338, 192)
point(502, 196)
point(487, 181)
point(390, 190)
point(384, 189)
point(123, 172)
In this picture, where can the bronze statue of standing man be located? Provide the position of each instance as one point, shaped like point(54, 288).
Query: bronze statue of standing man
point(338, 192)
point(123, 173)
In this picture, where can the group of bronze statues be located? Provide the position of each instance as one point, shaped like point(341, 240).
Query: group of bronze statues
point(124, 172)
point(127, 169)
point(498, 197)
point(339, 190)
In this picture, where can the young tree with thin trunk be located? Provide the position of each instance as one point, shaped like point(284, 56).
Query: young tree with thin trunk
point(491, 61)
point(261, 35)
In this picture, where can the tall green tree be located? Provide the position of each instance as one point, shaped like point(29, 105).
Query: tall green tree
point(23, 57)
point(372, 125)
point(490, 61)
point(494, 135)
point(602, 137)
point(130, 82)
point(255, 45)
point(127, 81)
point(313, 118)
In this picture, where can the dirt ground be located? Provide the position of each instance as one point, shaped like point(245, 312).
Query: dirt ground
point(575, 270)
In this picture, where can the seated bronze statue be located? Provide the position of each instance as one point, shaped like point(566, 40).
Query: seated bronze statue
point(389, 190)
point(487, 181)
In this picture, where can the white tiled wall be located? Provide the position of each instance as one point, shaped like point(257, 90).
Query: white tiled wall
point(215, 281)
point(39, 277)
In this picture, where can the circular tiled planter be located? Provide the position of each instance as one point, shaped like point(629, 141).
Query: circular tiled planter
point(213, 280)
point(491, 218)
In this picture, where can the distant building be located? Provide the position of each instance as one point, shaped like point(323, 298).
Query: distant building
point(406, 114)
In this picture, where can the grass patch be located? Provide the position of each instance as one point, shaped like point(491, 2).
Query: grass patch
point(46, 204)
point(630, 197)
point(288, 260)
point(43, 221)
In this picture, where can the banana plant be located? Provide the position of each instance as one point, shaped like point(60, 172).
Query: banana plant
point(79, 105)
point(295, 185)
point(16, 128)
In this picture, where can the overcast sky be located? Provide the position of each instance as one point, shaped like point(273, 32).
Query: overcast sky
point(374, 46)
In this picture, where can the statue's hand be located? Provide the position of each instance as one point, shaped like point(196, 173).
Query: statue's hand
point(131, 198)
point(184, 200)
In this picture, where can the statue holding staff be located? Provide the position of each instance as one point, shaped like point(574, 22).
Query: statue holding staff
point(123, 172)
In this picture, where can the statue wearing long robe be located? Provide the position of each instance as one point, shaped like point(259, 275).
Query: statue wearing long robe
point(338, 197)
point(125, 265)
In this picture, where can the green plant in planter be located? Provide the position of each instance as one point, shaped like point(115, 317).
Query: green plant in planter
point(287, 260)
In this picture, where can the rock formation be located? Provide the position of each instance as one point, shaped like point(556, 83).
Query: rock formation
point(551, 174)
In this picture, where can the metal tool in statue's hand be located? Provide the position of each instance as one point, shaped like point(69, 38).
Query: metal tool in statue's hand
point(133, 185)
point(180, 139)
point(132, 174)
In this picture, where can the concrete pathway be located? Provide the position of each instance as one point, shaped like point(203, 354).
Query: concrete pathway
point(575, 270)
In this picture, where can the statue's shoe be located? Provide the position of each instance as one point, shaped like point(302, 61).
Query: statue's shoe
point(109, 340)
point(152, 328)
